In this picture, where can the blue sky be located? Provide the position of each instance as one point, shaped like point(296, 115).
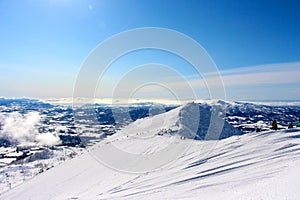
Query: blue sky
point(43, 43)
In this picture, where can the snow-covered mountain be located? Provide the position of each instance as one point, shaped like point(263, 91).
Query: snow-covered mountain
point(192, 120)
point(158, 158)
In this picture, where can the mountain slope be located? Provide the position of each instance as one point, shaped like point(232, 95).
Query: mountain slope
point(262, 165)
point(191, 121)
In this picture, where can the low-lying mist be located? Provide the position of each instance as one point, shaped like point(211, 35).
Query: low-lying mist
point(23, 129)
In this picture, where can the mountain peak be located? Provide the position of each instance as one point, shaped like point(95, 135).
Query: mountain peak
point(192, 121)
point(203, 122)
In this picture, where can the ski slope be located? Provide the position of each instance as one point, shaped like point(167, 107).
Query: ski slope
point(159, 159)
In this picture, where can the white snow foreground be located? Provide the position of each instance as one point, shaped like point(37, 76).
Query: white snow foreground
point(263, 165)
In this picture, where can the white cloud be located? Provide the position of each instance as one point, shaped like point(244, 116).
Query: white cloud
point(249, 82)
point(47, 139)
point(22, 129)
point(257, 75)
point(240, 83)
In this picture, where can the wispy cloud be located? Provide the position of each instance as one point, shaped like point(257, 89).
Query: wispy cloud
point(284, 73)
point(256, 82)
point(264, 82)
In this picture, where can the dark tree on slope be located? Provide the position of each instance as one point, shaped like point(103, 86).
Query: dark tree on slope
point(274, 125)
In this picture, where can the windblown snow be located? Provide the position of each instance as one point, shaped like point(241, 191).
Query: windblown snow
point(160, 159)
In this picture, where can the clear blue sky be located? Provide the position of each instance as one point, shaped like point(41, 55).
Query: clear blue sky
point(43, 43)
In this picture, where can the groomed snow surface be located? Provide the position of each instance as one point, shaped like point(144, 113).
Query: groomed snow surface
point(264, 165)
